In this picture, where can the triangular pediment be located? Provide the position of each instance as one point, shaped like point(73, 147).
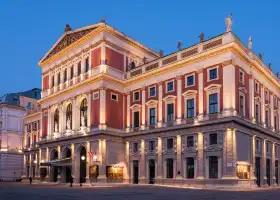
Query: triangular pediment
point(65, 40)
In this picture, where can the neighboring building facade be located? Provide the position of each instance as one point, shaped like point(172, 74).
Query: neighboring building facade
point(112, 109)
point(12, 111)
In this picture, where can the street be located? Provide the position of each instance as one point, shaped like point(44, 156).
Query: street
point(22, 191)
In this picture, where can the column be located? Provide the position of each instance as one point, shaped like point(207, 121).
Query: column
point(101, 154)
point(272, 112)
point(75, 72)
point(128, 112)
point(263, 168)
point(251, 99)
point(73, 156)
point(159, 160)
point(88, 161)
point(200, 94)
point(48, 159)
point(179, 99)
point(62, 79)
point(24, 167)
point(30, 168)
point(160, 104)
point(103, 54)
point(253, 158)
point(102, 99)
point(262, 106)
point(142, 177)
point(61, 121)
point(229, 90)
point(59, 157)
point(229, 154)
point(143, 109)
point(74, 115)
point(128, 174)
point(89, 100)
point(39, 161)
point(200, 156)
point(179, 157)
point(273, 178)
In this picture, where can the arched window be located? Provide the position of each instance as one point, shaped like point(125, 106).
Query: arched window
point(69, 116)
point(56, 120)
point(83, 112)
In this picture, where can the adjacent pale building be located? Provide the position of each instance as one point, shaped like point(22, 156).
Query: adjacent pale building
point(13, 108)
point(115, 110)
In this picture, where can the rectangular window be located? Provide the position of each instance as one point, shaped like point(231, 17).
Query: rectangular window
point(256, 87)
point(170, 112)
point(190, 167)
point(258, 145)
point(257, 113)
point(151, 145)
point(65, 75)
point(34, 140)
point(241, 105)
point(169, 168)
point(170, 86)
point(152, 116)
point(190, 141)
point(71, 72)
point(213, 167)
point(169, 143)
point(190, 108)
point(241, 77)
point(79, 68)
point(213, 103)
point(87, 64)
point(52, 81)
point(136, 119)
point(58, 79)
point(266, 118)
point(213, 74)
point(114, 97)
point(213, 137)
point(276, 123)
point(152, 91)
point(136, 96)
point(190, 80)
point(135, 147)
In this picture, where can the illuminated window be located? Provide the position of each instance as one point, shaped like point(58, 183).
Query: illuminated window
point(243, 171)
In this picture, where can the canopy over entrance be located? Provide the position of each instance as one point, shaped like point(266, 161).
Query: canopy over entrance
point(58, 163)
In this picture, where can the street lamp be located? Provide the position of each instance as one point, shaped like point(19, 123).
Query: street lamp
point(83, 157)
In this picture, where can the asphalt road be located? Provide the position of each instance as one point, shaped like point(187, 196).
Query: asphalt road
point(14, 191)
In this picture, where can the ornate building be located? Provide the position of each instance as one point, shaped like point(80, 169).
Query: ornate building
point(114, 110)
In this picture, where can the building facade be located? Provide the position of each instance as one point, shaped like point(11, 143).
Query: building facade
point(13, 108)
point(114, 110)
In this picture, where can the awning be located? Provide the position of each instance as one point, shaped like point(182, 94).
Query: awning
point(58, 163)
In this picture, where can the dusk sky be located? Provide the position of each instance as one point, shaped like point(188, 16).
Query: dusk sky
point(30, 28)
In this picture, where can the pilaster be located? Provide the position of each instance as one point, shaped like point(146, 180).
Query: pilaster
point(159, 174)
point(160, 94)
point(89, 111)
point(263, 168)
point(179, 157)
point(262, 106)
point(128, 112)
point(200, 156)
point(143, 108)
point(142, 162)
point(179, 99)
point(200, 94)
point(102, 125)
point(272, 112)
point(251, 99)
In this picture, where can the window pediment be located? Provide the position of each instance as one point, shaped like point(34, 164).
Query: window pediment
point(151, 102)
point(169, 97)
point(243, 89)
point(136, 106)
point(212, 87)
point(190, 92)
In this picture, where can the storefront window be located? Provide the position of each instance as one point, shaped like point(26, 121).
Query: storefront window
point(114, 172)
point(93, 171)
point(243, 171)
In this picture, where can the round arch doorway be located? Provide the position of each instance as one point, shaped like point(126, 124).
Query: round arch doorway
point(83, 161)
point(67, 170)
point(54, 169)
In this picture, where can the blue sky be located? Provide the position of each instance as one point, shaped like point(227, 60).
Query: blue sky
point(30, 28)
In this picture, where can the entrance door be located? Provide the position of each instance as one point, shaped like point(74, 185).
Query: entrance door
point(135, 171)
point(258, 171)
point(268, 171)
point(68, 174)
point(55, 174)
point(276, 171)
point(152, 171)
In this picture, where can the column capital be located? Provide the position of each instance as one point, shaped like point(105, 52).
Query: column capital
point(199, 71)
point(159, 83)
point(179, 77)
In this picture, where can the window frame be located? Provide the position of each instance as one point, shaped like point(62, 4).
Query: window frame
point(242, 80)
point(166, 86)
point(186, 80)
point(213, 103)
point(149, 91)
point(134, 92)
point(208, 73)
point(187, 143)
point(210, 141)
point(167, 143)
point(243, 103)
point(114, 94)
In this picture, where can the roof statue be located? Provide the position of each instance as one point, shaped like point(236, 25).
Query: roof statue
point(270, 66)
point(250, 43)
point(103, 19)
point(228, 21)
point(145, 60)
point(201, 37)
point(260, 56)
point(161, 53)
point(67, 28)
point(179, 45)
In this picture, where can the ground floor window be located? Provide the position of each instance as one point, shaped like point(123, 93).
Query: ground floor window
point(93, 171)
point(276, 170)
point(190, 167)
point(114, 172)
point(33, 171)
point(27, 171)
point(213, 167)
point(169, 168)
point(43, 172)
point(243, 171)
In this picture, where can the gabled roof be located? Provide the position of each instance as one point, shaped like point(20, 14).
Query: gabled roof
point(71, 36)
point(68, 38)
